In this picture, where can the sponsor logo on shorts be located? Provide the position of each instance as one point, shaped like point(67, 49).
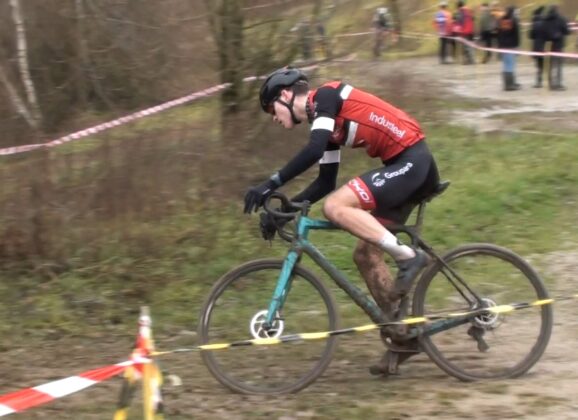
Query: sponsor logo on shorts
point(379, 179)
point(361, 192)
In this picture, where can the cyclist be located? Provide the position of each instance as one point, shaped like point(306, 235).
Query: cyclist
point(382, 24)
point(341, 115)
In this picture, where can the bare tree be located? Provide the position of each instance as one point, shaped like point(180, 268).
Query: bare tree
point(23, 66)
point(16, 100)
point(226, 22)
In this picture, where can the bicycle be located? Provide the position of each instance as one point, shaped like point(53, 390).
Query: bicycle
point(471, 277)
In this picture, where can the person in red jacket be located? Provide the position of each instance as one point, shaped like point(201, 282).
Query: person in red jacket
point(465, 19)
point(344, 116)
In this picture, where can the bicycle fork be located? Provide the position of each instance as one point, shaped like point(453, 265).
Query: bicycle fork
point(281, 290)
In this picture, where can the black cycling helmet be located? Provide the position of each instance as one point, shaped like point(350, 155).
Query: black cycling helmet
point(276, 82)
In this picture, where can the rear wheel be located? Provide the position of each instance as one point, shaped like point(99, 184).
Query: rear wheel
point(491, 345)
point(236, 310)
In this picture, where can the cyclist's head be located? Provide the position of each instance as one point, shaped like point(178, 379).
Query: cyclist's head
point(285, 78)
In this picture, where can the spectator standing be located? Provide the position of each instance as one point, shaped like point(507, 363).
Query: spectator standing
point(456, 31)
point(497, 14)
point(556, 30)
point(443, 26)
point(488, 29)
point(465, 18)
point(509, 38)
point(382, 24)
point(538, 38)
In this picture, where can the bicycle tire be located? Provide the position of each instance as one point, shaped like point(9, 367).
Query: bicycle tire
point(545, 311)
point(237, 385)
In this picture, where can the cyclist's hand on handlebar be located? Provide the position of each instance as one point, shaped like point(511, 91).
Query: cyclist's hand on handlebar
point(256, 196)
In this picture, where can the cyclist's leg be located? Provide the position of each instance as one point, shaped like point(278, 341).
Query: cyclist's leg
point(380, 189)
point(369, 261)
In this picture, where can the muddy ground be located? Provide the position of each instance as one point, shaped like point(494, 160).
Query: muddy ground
point(346, 390)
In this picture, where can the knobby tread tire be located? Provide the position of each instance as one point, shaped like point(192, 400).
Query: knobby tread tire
point(219, 288)
point(499, 252)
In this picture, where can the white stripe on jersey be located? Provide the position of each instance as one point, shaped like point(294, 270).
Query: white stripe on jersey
point(346, 91)
point(331, 156)
point(351, 134)
point(323, 123)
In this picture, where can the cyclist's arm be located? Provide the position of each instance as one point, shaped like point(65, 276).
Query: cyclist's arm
point(327, 178)
point(328, 104)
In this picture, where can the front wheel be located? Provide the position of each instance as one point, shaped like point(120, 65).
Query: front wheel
point(236, 309)
point(490, 345)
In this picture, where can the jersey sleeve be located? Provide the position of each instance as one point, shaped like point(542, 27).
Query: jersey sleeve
point(327, 104)
point(327, 178)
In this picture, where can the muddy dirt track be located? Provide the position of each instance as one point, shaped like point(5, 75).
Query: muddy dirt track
point(346, 390)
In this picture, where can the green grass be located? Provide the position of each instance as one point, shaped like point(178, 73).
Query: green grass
point(516, 191)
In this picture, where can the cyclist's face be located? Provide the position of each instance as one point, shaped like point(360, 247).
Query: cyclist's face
point(280, 112)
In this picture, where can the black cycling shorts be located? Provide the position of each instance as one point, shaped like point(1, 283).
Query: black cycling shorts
point(392, 191)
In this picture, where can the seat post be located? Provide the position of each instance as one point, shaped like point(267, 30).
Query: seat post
point(419, 217)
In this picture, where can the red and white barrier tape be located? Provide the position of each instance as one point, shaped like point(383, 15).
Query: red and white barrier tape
point(117, 122)
point(518, 52)
point(42, 394)
point(212, 90)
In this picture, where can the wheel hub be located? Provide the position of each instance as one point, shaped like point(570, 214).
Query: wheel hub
point(258, 321)
point(487, 320)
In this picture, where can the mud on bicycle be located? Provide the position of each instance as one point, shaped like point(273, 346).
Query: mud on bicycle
point(270, 298)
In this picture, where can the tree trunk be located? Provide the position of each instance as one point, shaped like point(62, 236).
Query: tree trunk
point(17, 101)
point(23, 67)
point(82, 47)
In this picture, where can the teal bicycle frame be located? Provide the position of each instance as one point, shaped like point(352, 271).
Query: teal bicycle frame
point(302, 245)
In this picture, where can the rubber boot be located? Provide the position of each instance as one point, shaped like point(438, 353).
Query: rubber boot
point(538, 83)
point(515, 84)
point(556, 75)
point(509, 83)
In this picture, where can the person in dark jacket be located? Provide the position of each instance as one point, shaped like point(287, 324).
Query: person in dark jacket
point(538, 38)
point(509, 38)
point(488, 26)
point(556, 30)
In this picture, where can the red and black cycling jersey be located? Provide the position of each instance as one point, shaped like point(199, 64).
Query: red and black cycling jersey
point(364, 120)
point(345, 116)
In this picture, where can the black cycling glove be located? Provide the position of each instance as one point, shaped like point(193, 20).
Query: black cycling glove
point(256, 196)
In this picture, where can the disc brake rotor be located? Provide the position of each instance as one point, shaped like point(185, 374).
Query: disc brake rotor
point(486, 320)
point(257, 330)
